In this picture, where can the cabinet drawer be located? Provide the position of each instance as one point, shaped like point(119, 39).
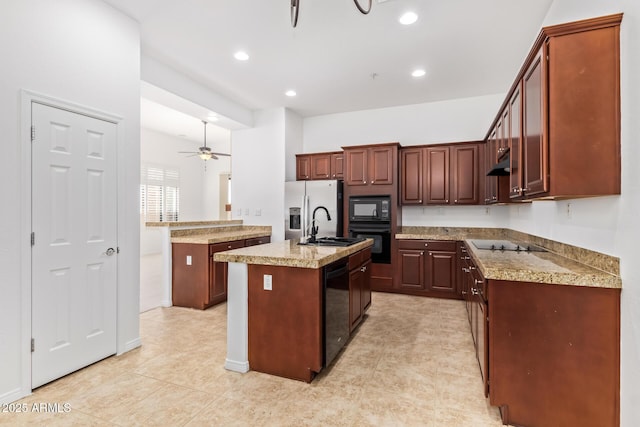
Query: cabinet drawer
point(434, 245)
point(358, 258)
point(258, 241)
point(226, 246)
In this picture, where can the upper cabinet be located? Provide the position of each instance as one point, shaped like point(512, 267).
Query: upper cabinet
point(319, 166)
point(370, 165)
point(440, 174)
point(563, 115)
point(337, 165)
point(303, 167)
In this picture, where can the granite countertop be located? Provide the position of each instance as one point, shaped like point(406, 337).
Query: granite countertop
point(192, 223)
point(220, 234)
point(559, 267)
point(290, 254)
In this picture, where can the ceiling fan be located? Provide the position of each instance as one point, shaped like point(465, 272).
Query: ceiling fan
point(204, 152)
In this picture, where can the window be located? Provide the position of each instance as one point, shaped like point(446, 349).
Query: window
point(159, 193)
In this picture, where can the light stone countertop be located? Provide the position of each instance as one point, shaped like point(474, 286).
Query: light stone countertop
point(192, 223)
point(290, 254)
point(540, 267)
point(220, 235)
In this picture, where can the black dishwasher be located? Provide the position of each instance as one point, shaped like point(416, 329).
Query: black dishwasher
point(336, 308)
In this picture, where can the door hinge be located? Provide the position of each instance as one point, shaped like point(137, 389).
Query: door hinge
point(33, 238)
point(33, 133)
point(33, 345)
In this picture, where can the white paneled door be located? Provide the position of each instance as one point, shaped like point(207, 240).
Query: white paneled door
point(74, 245)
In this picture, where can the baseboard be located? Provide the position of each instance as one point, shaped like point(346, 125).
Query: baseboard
point(232, 365)
point(130, 345)
point(13, 395)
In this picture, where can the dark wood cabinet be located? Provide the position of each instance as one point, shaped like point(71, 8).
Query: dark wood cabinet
point(218, 272)
point(359, 286)
point(318, 166)
point(412, 176)
point(441, 270)
point(321, 166)
point(564, 113)
point(441, 174)
point(515, 145)
point(473, 293)
point(303, 167)
point(534, 142)
point(428, 268)
point(337, 166)
point(370, 165)
point(197, 280)
point(554, 354)
point(437, 172)
point(465, 176)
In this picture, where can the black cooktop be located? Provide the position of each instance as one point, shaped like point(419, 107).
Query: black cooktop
point(506, 245)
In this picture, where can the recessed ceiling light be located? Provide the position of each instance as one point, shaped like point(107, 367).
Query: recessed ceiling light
point(418, 73)
point(241, 55)
point(290, 93)
point(408, 18)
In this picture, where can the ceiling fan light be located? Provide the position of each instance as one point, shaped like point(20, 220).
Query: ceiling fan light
point(204, 156)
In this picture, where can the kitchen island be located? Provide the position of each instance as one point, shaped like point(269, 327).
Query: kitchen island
point(275, 304)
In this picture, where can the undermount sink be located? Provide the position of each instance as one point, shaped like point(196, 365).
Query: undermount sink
point(334, 241)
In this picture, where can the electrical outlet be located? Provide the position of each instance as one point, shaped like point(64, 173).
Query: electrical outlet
point(247, 212)
point(486, 210)
point(267, 282)
point(569, 213)
point(188, 259)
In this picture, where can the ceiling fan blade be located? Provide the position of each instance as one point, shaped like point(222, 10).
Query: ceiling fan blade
point(214, 157)
point(187, 152)
point(221, 154)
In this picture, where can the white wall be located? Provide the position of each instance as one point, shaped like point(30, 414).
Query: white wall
point(85, 52)
point(455, 120)
point(199, 188)
point(258, 165)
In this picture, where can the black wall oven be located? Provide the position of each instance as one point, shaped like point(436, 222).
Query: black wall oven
point(370, 217)
point(381, 235)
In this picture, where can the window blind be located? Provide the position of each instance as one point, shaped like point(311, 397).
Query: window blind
point(159, 193)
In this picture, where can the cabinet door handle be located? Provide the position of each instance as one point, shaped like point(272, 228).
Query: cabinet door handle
point(228, 246)
point(478, 282)
point(426, 244)
point(455, 201)
point(446, 201)
point(363, 269)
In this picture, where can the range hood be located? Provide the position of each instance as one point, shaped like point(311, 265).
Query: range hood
point(502, 168)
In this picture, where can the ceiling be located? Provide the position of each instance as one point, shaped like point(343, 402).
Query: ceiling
point(337, 59)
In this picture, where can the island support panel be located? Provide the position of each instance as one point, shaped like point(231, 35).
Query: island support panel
point(285, 323)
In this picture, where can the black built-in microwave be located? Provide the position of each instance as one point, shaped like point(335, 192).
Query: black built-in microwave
point(370, 209)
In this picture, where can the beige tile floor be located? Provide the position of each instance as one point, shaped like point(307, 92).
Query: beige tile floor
point(411, 363)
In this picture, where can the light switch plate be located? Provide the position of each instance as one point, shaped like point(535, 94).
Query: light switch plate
point(267, 282)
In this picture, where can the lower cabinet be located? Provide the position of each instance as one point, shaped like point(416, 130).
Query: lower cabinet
point(359, 286)
point(428, 268)
point(197, 280)
point(549, 355)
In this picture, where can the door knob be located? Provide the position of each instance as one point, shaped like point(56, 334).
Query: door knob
point(110, 251)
